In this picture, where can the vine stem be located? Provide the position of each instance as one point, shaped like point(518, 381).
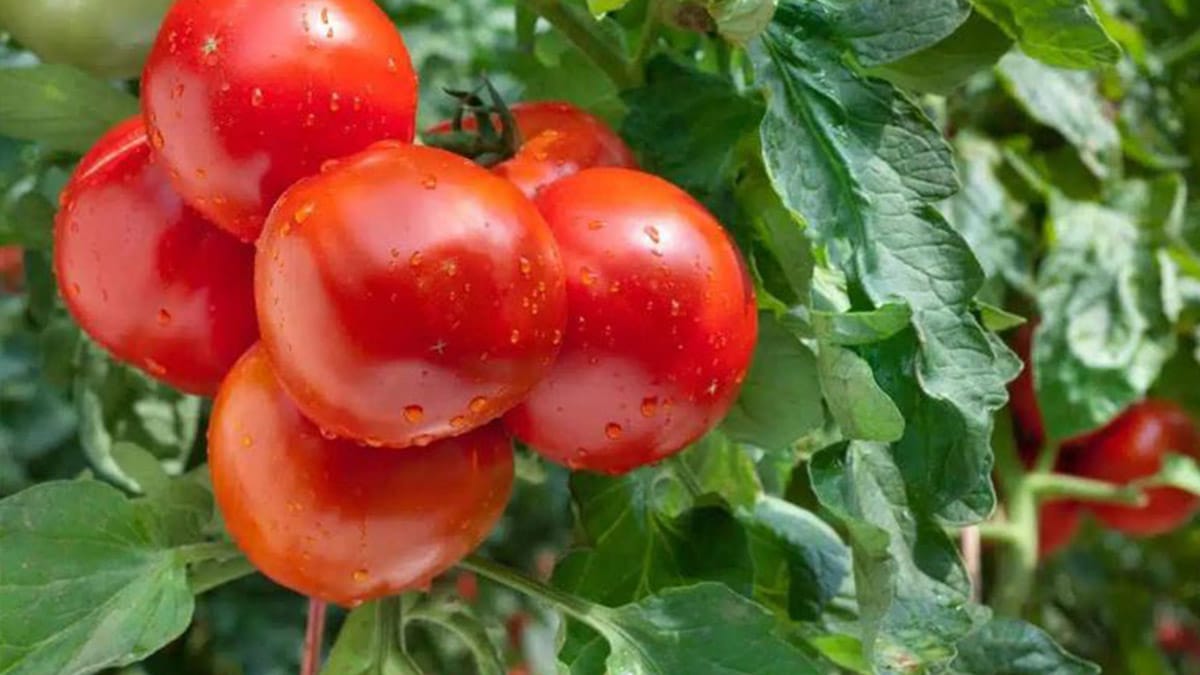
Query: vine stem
point(314, 635)
point(577, 609)
point(1019, 561)
point(649, 35)
point(604, 53)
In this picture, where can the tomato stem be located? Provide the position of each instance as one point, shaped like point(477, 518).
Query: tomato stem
point(576, 608)
point(1018, 561)
point(647, 38)
point(1054, 485)
point(314, 636)
point(583, 33)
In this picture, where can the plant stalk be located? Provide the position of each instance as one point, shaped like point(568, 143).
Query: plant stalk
point(606, 55)
point(577, 609)
point(314, 636)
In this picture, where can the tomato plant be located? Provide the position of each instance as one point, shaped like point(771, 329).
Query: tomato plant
point(707, 336)
point(243, 98)
point(436, 288)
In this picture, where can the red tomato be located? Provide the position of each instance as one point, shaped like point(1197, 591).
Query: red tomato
point(407, 295)
point(244, 97)
point(1058, 523)
point(147, 277)
point(661, 330)
point(1132, 447)
point(1026, 415)
point(339, 521)
point(558, 140)
point(12, 268)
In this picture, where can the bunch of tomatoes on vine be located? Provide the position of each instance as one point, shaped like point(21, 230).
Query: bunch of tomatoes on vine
point(378, 318)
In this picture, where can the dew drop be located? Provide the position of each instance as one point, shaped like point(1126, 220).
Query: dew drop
point(361, 575)
point(391, 64)
point(164, 317)
point(415, 259)
point(329, 165)
point(373, 442)
point(429, 182)
point(414, 413)
point(247, 441)
point(256, 97)
point(327, 434)
point(674, 307)
point(458, 422)
point(155, 368)
point(649, 406)
point(478, 404)
point(652, 232)
point(613, 430)
point(177, 90)
point(422, 440)
point(587, 276)
point(75, 289)
point(557, 339)
point(515, 337)
point(302, 214)
point(526, 267)
point(156, 139)
point(595, 225)
point(395, 252)
point(334, 104)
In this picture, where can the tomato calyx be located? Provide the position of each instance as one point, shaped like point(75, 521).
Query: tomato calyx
point(493, 139)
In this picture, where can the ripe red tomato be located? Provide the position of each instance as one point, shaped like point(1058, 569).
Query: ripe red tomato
point(244, 97)
point(661, 330)
point(407, 295)
point(146, 276)
point(558, 140)
point(1023, 404)
point(339, 521)
point(1131, 447)
point(1058, 523)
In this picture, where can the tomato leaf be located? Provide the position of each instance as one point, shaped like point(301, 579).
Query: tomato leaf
point(861, 328)
point(1104, 336)
point(1064, 33)
point(866, 183)
point(368, 643)
point(882, 31)
point(781, 397)
point(862, 410)
point(1012, 647)
point(974, 46)
point(59, 106)
point(89, 581)
point(912, 591)
point(699, 629)
point(1066, 101)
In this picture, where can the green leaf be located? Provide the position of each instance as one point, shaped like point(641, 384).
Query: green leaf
point(716, 118)
point(861, 328)
point(865, 176)
point(369, 643)
point(1012, 647)
point(1068, 102)
point(740, 21)
point(816, 560)
point(781, 397)
point(989, 217)
point(1063, 33)
point(862, 410)
point(87, 581)
point(716, 466)
point(778, 229)
point(602, 7)
point(997, 319)
point(1103, 336)
point(882, 31)
point(59, 106)
point(975, 46)
point(117, 403)
point(705, 628)
point(912, 591)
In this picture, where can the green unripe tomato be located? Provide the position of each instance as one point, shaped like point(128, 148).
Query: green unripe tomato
point(109, 38)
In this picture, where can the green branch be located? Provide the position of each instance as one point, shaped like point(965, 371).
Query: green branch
point(576, 608)
point(1061, 486)
point(583, 33)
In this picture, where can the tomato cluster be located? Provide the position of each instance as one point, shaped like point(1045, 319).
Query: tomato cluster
point(1128, 449)
point(375, 316)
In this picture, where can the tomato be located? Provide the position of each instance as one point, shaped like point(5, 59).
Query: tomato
point(1028, 428)
point(107, 37)
point(244, 97)
point(1132, 447)
point(559, 140)
point(339, 521)
point(407, 295)
point(144, 275)
point(661, 330)
point(1058, 522)
point(12, 268)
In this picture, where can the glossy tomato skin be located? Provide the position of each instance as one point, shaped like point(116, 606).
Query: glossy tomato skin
point(661, 330)
point(343, 522)
point(147, 277)
point(407, 295)
point(107, 37)
point(1132, 447)
point(558, 140)
point(244, 97)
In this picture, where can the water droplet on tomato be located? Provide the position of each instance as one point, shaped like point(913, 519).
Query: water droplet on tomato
point(675, 307)
point(414, 413)
point(595, 225)
point(429, 182)
point(422, 440)
point(164, 317)
point(373, 442)
point(515, 337)
point(155, 367)
point(361, 575)
point(75, 289)
point(177, 90)
point(391, 64)
point(478, 404)
point(256, 97)
point(587, 276)
point(652, 232)
point(557, 338)
point(327, 434)
point(458, 422)
point(156, 138)
point(334, 102)
point(526, 267)
point(613, 430)
point(247, 441)
point(302, 214)
point(649, 406)
point(415, 259)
